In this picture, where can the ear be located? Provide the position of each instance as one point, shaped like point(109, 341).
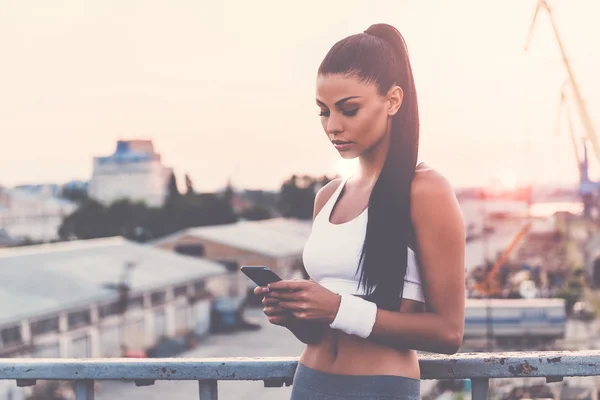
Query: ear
point(394, 99)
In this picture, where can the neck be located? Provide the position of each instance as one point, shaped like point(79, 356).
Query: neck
point(372, 161)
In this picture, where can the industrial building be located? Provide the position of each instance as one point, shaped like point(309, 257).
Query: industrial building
point(276, 243)
point(101, 297)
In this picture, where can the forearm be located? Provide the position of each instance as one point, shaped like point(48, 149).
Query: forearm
point(419, 331)
point(308, 332)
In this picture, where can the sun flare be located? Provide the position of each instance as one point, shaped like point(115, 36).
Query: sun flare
point(346, 168)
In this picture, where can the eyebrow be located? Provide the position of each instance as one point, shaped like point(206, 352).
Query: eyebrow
point(339, 102)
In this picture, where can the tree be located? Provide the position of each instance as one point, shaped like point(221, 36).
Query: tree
point(172, 190)
point(89, 221)
point(229, 193)
point(74, 194)
point(130, 218)
point(189, 185)
point(297, 196)
point(205, 209)
point(136, 221)
point(255, 213)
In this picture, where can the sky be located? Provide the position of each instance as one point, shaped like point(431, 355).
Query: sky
point(226, 89)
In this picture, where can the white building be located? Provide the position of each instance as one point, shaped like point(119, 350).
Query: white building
point(134, 172)
point(61, 299)
point(36, 215)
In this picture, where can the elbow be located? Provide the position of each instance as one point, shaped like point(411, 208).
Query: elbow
point(452, 341)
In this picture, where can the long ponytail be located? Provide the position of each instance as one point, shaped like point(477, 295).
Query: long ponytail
point(380, 56)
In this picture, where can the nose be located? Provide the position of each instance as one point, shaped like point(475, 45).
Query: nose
point(334, 125)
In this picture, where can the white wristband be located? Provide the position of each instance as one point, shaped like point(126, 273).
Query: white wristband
point(355, 316)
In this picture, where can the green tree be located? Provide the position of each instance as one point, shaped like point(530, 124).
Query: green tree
point(189, 185)
point(297, 196)
point(131, 219)
point(89, 221)
point(229, 193)
point(172, 190)
point(255, 213)
point(76, 195)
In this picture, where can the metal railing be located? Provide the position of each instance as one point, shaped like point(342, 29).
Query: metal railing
point(276, 372)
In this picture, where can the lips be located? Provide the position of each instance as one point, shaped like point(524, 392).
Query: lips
point(341, 145)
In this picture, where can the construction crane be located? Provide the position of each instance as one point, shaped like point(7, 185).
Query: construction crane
point(588, 190)
point(489, 285)
point(581, 108)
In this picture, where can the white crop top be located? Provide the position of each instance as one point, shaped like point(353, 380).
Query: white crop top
point(332, 253)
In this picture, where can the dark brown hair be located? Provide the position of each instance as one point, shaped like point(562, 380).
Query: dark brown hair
point(379, 56)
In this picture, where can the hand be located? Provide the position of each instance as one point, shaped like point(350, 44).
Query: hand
point(276, 314)
point(305, 299)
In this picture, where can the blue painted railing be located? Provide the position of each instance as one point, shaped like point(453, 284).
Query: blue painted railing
point(275, 372)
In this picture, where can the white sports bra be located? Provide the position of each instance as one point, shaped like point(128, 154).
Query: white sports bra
point(332, 253)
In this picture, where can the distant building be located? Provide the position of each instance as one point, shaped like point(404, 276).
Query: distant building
point(44, 189)
point(275, 243)
point(134, 172)
point(32, 212)
point(75, 185)
point(63, 299)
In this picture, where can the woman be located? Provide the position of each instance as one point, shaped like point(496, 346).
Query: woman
point(386, 252)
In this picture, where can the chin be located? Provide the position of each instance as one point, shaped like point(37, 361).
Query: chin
point(348, 155)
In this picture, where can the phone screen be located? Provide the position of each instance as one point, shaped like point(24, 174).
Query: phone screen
point(262, 276)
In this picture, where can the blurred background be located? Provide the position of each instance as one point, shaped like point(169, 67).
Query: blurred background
point(150, 149)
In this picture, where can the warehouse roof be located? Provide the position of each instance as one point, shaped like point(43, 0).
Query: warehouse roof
point(52, 277)
point(277, 237)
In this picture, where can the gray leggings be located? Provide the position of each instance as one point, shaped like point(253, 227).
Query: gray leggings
point(310, 384)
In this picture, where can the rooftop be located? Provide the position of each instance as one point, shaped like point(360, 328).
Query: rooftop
point(277, 237)
point(52, 277)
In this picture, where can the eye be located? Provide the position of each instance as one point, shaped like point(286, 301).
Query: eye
point(324, 113)
point(350, 113)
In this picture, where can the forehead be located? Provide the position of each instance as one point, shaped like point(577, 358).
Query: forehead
point(332, 87)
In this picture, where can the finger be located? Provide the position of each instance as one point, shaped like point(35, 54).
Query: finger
point(295, 284)
point(274, 310)
point(286, 296)
point(278, 320)
point(292, 305)
point(300, 315)
point(259, 290)
point(268, 301)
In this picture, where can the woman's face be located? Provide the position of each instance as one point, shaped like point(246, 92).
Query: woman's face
point(354, 115)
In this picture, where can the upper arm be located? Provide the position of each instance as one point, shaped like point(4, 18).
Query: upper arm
point(440, 234)
point(324, 194)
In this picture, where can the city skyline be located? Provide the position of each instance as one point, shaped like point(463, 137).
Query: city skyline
point(226, 96)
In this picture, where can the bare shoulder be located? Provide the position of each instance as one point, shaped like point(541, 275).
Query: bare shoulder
point(324, 194)
point(432, 195)
point(429, 183)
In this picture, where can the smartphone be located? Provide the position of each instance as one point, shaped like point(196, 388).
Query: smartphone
point(262, 276)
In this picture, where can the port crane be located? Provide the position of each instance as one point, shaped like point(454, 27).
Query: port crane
point(588, 189)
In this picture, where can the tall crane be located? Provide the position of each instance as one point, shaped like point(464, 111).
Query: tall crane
point(590, 132)
point(588, 190)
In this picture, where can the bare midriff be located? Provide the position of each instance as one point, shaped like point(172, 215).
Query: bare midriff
point(340, 353)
